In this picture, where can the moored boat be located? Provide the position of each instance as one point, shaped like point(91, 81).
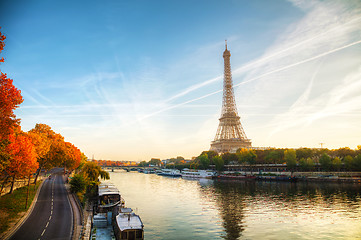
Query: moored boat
point(187, 173)
point(108, 196)
point(170, 172)
point(277, 178)
point(128, 225)
point(111, 218)
point(236, 177)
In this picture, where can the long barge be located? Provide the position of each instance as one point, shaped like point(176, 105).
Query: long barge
point(112, 218)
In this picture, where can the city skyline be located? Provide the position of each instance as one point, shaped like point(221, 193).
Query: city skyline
point(132, 81)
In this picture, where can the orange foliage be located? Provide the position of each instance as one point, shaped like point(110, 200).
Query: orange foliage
point(72, 156)
point(40, 146)
point(22, 156)
point(2, 44)
point(10, 98)
point(43, 138)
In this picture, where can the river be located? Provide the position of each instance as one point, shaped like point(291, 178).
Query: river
point(176, 208)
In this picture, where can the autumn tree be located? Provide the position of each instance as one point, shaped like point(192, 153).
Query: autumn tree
point(22, 157)
point(10, 99)
point(242, 154)
point(46, 143)
point(72, 156)
point(246, 156)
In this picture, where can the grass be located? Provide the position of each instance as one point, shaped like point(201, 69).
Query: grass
point(11, 205)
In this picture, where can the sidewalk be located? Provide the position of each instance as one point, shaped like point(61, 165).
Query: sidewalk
point(78, 218)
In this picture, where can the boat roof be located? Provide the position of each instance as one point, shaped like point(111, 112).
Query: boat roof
point(127, 221)
point(126, 210)
point(107, 189)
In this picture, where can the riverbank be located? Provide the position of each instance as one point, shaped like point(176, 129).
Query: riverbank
point(12, 206)
point(336, 177)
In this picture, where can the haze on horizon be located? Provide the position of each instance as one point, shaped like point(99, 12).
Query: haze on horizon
point(132, 80)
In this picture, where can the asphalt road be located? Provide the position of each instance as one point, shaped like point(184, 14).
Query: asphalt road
point(52, 216)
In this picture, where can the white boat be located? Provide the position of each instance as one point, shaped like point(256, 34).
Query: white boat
point(108, 196)
point(149, 171)
point(128, 225)
point(170, 172)
point(187, 173)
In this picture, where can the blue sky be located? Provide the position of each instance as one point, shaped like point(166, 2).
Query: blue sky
point(131, 80)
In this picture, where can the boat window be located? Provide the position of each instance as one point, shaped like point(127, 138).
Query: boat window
point(139, 234)
point(124, 235)
point(131, 235)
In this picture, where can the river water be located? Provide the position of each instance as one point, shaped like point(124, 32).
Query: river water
point(176, 208)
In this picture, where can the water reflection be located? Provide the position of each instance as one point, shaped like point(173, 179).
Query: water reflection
point(243, 203)
point(206, 209)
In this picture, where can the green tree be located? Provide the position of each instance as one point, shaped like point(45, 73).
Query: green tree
point(304, 153)
point(155, 161)
point(251, 157)
point(242, 154)
point(210, 154)
point(336, 163)
point(357, 162)
point(194, 164)
point(310, 163)
point(343, 152)
point(303, 164)
point(91, 172)
point(349, 162)
point(204, 161)
point(290, 158)
point(275, 156)
point(325, 161)
point(229, 158)
point(77, 183)
point(218, 162)
point(143, 164)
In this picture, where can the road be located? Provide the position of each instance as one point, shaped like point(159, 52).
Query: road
point(52, 216)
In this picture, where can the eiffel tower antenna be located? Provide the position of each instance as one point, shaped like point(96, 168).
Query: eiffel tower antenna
point(230, 134)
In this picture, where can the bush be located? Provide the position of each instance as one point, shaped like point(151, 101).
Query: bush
point(77, 183)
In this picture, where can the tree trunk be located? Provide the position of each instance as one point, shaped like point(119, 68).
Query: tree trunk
point(27, 194)
point(4, 183)
point(12, 185)
point(37, 175)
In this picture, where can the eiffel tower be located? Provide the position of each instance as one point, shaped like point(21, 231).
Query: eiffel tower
point(230, 135)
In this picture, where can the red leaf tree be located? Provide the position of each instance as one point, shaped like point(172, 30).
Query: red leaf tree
point(22, 157)
point(10, 98)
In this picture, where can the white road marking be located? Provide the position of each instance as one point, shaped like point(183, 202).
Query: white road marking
point(43, 232)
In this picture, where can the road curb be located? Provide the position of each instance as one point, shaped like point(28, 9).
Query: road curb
point(76, 207)
point(27, 214)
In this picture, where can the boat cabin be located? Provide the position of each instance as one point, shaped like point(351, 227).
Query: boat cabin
point(128, 225)
point(108, 196)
